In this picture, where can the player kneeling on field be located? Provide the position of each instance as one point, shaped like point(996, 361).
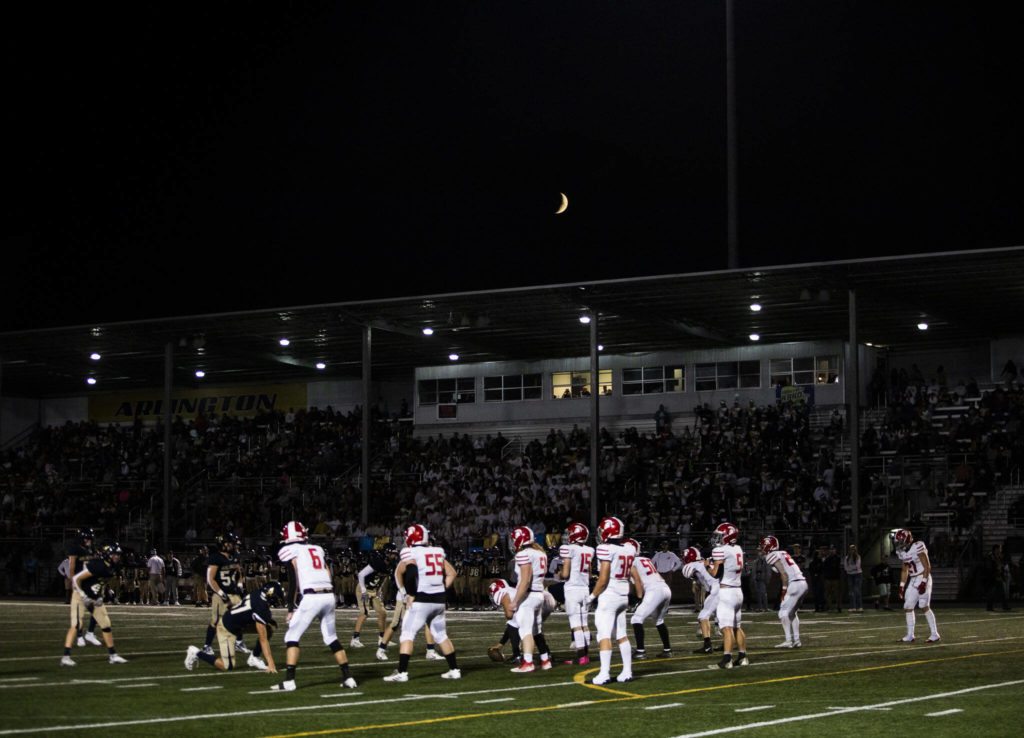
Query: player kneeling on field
point(252, 614)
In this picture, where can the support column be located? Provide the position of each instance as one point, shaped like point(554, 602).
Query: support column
point(168, 451)
point(853, 417)
point(595, 427)
point(367, 379)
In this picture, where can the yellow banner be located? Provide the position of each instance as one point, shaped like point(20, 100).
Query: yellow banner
point(240, 401)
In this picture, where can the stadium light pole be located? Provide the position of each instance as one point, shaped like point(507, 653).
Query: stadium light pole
point(365, 486)
point(168, 382)
point(595, 417)
point(732, 198)
point(853, 417)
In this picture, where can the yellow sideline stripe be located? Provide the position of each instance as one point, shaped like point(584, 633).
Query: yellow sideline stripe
point(523, 710)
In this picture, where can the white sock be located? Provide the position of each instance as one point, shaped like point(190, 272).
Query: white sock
point(578, 638)
point(796, 628)
point(528, 658)
point(911, 621)
point(606, 661)
point(787, 628)
point(626, 650)
point(930, 617)
point(586, 637)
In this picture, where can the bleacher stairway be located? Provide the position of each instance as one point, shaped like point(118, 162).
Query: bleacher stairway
point(995, 517)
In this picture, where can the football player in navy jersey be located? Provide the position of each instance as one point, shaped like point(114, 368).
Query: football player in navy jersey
point(251, 614)
point(80, 552)
point(380, 566)
point(224, 577)
point(89, 586)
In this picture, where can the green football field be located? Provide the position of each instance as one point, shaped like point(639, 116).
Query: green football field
point(851, 677)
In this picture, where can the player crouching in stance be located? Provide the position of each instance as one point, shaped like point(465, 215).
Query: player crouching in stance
point(309, 587)
point(794, 587)
point(655, 597)
point(915, 582)
point(88, 587)
point(528, 602)
point(577, 558)
point(728, 556)
point(611, 591)
point(426, 606)
point(695, 569)
point(251, 614)
point(502, 594)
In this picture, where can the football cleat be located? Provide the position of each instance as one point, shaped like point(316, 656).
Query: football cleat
point(523, 668)
point(624, 677)
point(797, 644)
point(725, 663)
point(933, 639)
point(91, 638)
point(207, 650)
point(115, 659)
point(743, 661)
point(355, 643)
point(545, 664)
point(80, 642)
point(285, 686)
point(703, 649)
point(907, 639)
point(601, 679)
point(581, 661)
point(191, 657)
point(397, 676)
point(452, 674)
point(241, 648)
point(382, 655)
point(67, 661)
point(349, 683)
point(666, 652)
point(785, 644)
point(256, 662)
point(639, 655)
point(433, 655)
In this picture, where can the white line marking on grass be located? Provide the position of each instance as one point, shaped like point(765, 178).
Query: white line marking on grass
point(342, 694)
point(200, 689)
point(662, 707)
point(753, 709)
point(18, 679)
point(135, 686)
point(944, 712)
point(500, 699)
point(844, 711)
point(879, 709)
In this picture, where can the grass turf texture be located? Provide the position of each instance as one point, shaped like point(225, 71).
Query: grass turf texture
point(851, 676)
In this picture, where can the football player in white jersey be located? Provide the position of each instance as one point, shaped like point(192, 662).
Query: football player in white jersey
point(532, 563)
point(577, 560)
point(425, 606)
point(915, 582)
point(794, 587)
point(728, 556)
point(503, 594)
point(615, 560)
point(655, 597)
point(695, 568)
point(310, 579)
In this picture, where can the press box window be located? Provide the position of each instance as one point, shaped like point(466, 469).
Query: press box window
point(512, 388)
point(727, 375)
point(649, 380)
point(566, 385)
point(459, 390)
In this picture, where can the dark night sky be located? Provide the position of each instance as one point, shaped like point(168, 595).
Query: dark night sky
point(167, 160)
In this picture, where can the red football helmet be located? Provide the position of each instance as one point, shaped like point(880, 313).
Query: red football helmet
point(610, 529)
point(293, 532)
point(496, 586)
point(521, 536)
point(903, 539)
point(578, 533)
point(769, 544)
point(634, 543)
point(726, 533)
point(690, 555)
point(416, 534)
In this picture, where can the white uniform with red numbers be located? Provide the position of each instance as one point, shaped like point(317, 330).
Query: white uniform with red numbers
point(548, 604)
point(697, 571)
point(577, 586)
point(428, 605)
point(915, 570)
point(528, 616)
point(610, 616)
point(730, 595)
point(796, 586)
point(313, 578)
point(657, 595)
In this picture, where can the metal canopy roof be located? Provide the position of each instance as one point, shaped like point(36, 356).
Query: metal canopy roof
point(963, 296)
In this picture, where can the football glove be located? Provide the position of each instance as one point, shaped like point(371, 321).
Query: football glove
point(922, 587)
point(224, 598)
point(366, 598)
point(494, 654)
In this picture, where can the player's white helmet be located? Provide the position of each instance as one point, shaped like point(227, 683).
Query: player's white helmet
point(496, 586)
point(610, 529)
point(578, 533)
point(726, 534)
point(690, 555)
point(416, 534)
point(903, 539)
point(521, 536)
point(634, 543)
point(293, 532)
point(769, 544)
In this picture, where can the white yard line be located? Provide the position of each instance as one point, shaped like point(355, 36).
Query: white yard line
point(754, 709)
point(499, 699)
point(944, 712)
point(201, 689)
point(662, 707)
point(844, 711)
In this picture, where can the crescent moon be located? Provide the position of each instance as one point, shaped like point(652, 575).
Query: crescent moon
point(564, 205)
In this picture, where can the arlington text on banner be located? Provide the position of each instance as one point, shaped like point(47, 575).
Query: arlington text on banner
point(240, 401)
